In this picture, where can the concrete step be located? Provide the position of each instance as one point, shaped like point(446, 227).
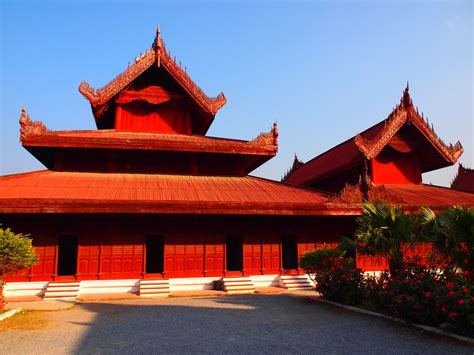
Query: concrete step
point(64, 284)
point(154, 288)
point(62, 291)
point(145, 287)
point(296, 282)
point(238, 285)
point(235, 279)
point(293, 277)
point(155, 282)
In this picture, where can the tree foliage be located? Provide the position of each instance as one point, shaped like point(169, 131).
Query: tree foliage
point(385, 229)
point(16, 252)
point(452, 237)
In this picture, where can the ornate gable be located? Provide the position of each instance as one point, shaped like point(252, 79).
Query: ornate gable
point(101, 99)
point(406, 113)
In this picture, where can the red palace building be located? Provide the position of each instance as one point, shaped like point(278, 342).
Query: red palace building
point(148, 204)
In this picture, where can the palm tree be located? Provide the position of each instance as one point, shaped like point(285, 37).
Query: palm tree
point(452, 237)
point(385, 230)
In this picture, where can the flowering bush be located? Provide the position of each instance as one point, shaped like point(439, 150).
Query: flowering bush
point(408, 296)
point(336, 278)
point(340, 281)
point(454, 301)
point(424, 295)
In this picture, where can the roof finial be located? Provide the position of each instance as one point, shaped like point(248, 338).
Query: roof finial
point(157, 46)
point(158, 37)
point(406, 100)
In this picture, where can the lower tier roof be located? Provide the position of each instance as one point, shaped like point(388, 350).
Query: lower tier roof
point(72, 192)
point(428, 195)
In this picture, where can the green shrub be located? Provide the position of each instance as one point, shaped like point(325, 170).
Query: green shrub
point(316, 260)
point(16, 252)
point(385, 229)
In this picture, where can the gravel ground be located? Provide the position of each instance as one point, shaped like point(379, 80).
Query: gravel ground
point(279, 323)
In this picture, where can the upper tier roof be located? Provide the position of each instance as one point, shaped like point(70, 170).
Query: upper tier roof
point(72, 192)
point(245, 155)
point(100, 99)
point(370, 143)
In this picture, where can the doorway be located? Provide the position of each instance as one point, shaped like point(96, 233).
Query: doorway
point(289, 247)
point(155, 254)
point(67, 255)
point(234, 253)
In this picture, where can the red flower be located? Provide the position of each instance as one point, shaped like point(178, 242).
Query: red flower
point(451, 293)
point(466, 273)
point(461, 301)
point(427, 294)
point(452, 315)
point(449, 284)
point(465, 289)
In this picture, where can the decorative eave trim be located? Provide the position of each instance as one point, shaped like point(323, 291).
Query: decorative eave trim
point(402, 113)
point(156, 54)
point(268, 139)
point(29, 127)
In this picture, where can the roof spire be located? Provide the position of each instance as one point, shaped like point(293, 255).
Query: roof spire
point(157, 46)
point(406, 99)
point(158, 37)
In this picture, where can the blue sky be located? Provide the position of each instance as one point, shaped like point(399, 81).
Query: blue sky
point(324, 70)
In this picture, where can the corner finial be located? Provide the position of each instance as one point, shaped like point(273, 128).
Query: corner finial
point(275, 132)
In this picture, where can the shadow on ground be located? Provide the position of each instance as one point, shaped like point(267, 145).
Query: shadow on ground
point(248, 324)
point(279, 323)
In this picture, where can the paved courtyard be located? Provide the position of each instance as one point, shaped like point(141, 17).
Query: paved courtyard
point(280, 323)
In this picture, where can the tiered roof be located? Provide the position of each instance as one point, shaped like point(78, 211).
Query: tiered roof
point(248, 155)
point(411, 197)
point(370, 143)
point(72, 192)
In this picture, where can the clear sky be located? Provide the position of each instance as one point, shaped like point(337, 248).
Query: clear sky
point(325, 70)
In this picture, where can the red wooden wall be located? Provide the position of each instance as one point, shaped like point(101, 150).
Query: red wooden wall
point(113, 246)
point(391, 167)
point(170, 117)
